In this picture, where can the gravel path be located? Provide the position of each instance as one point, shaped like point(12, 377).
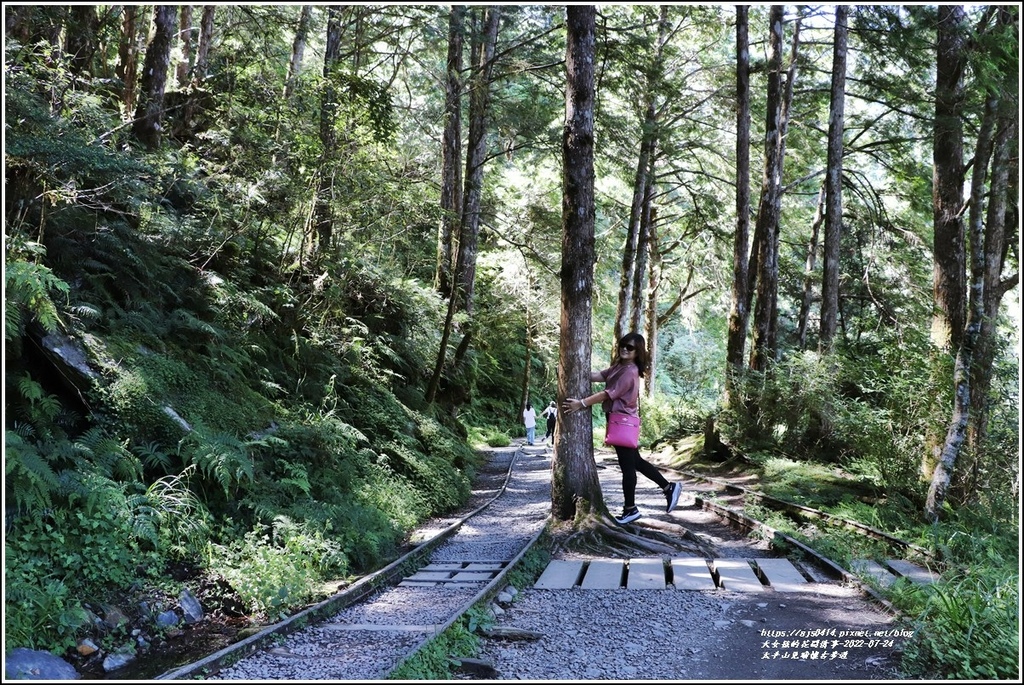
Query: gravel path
point(692, 635)
point(368, 640)
point(594, 634)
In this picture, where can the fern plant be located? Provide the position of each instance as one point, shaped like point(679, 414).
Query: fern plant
point(29, 288)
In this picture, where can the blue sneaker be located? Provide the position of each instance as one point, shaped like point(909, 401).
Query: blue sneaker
point(628, 516)
point(672, 492)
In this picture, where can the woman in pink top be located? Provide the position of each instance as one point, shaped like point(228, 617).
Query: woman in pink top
point(621, 394)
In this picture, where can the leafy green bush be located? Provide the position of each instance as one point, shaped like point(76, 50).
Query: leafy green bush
point(39, 615)
point(274, 573)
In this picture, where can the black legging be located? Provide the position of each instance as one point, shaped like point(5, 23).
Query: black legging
point(551, 427)
point(630, 462)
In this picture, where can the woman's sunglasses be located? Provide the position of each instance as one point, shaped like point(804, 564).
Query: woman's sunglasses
point(629, 348)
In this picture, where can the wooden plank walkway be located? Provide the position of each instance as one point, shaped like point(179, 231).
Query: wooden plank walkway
point(559, 575)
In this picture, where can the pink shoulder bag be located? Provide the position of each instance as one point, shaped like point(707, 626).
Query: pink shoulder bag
point(622, 430)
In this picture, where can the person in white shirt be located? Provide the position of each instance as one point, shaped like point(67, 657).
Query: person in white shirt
point(530, 421)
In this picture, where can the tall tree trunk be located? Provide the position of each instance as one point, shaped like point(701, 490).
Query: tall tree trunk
point(127, 58)
point(205, 43)
point(739, 313)
point(767, 227)
point(653, 286)
point(323, 220)
point(575, 487)
point(643, 248)
point(451, 154)
point(627, 273)
point(809, 269)
point(298, 50)
point(998, 236)
point(199, 68)
point(629, 315)
point(949, 257)
point(150, 112)
point(476, 155)
point(957, 431)
point(948, 181)
point(186, 39)
point(834, 188)
point(80, 38)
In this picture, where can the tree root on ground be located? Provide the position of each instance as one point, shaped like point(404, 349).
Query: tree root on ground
point(599, 535)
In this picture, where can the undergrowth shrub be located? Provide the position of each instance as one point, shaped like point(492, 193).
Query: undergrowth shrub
point(274, 571)
point(818, 408)
point(440, 657)
point(967, 628)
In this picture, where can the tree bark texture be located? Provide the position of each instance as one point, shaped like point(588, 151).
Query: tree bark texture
point(465, 264)
point(949, 260)
point(809, 269)
point(298, 50)
point(632, 295)
point(127, 57)
point(833, 188)
point(150, 112)
point(643, 247)
point(80, 38)
point(451, 154)
point(957, 432)
point(999, 235)
point(629, 249)
point(740, 309)
point(476, 156)
point(654, 274)
point(323, 220)
point(186, 41)
point(766, 230)
point(574, 481)
point(949, 277)
point(205, 43)
point(1000, 231)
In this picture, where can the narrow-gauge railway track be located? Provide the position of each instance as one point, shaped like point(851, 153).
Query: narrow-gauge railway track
point(376, 624)
point(727, 613)
point(803, 512)
point(370, 627)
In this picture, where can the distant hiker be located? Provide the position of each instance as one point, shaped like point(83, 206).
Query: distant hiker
point(550, 413)
point(621, 395)
point(530, 421)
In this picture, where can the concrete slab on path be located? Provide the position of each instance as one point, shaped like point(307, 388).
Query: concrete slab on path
point(736, 575)
point(872, 569)
point(603, 574)
point(559, 575)
point(692, 573)
point(646, 574)
point(915, 573)
point(782, 575)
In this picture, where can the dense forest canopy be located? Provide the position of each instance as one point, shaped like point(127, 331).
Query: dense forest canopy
point(272, 269)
